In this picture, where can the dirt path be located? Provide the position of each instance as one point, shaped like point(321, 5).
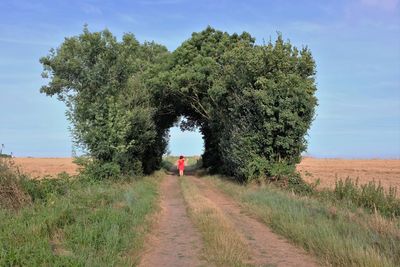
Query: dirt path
point(174, 241)
point(267, 248)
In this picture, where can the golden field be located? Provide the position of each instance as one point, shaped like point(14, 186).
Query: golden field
point(327, 170)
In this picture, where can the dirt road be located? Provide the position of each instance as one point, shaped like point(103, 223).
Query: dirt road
point(176, 242)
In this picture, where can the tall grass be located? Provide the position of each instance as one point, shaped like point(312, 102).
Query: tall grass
point(338, 236)
point(370, 196)
point(79, 223)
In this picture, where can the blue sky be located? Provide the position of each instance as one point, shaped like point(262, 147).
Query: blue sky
point(356, 45)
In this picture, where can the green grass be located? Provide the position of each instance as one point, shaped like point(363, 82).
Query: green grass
point(338, 236)
point(89, 224)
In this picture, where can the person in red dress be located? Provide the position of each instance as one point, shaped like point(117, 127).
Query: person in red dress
point(181, 165)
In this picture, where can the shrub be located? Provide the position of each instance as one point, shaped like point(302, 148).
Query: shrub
point(297, 185)
point(12, 194)
point(42, 190)
point(97, 170)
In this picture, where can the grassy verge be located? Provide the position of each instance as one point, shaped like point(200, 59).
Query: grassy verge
point(338, 236)
point(87, 224)
point(222, 245)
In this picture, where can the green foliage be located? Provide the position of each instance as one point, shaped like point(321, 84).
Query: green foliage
point(102, 82)
point(371, 196)
point(271, 108)
point(97, 170)
point(47, 188)
point(297, 185)
point(252, 103)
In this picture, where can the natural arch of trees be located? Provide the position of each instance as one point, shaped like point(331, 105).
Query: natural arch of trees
point(252, 103)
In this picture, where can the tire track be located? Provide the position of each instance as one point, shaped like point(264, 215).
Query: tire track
point(266, 247)
point(174, 241)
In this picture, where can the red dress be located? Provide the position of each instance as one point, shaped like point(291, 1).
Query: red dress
point(181, 164)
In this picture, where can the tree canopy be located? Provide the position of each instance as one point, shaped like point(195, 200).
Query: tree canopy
point(252, 103)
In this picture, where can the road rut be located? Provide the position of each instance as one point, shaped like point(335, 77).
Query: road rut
point(174, 240)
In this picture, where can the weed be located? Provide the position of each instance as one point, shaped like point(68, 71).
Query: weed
point(370, 196)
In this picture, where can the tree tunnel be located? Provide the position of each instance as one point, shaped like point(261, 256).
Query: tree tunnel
point(252, 103)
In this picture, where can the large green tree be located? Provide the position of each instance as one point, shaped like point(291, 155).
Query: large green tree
point(253, 103)
point(196, 66)
point(103, 83)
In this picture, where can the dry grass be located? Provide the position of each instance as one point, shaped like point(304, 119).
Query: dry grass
point(377, 223)
point(40, 167)
point(12, 195)
point(223, 246)
point(328, 170)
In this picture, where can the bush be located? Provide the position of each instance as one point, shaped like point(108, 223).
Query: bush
point(12, 194)
point(98, 171)
point(297, 185)
point(42, 190)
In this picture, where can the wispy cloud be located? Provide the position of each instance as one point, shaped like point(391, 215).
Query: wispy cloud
point(372, 13)
point(161, 2)
point(127, 18)
point(34, 6)
point(387, 5)
point(26, 42)
point(90, 9)
point(306, 26)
